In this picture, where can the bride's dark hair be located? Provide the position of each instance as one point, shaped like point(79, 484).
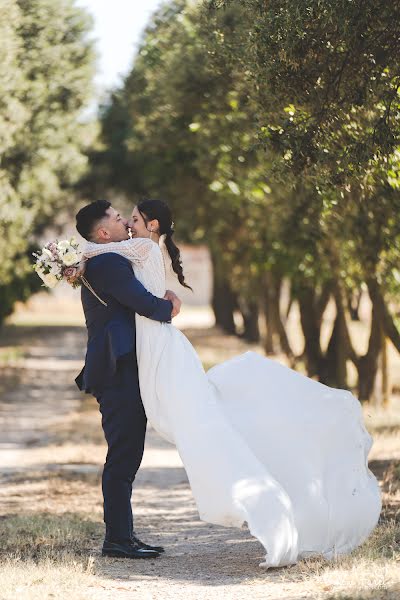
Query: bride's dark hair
point(157, 209)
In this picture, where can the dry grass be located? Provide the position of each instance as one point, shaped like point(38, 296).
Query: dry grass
point(44, 555)
point(26, 580)
point(43, 537)
point(47, 556)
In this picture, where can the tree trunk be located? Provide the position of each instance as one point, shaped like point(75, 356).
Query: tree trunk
point(312, 308)
point(353, 303)
point(367, 365)
point(385, 383)
point(382, 327)
point(338, 349)
point(269, 336)
point(311, 326)
point(223, 299)
point(388, 324)
point(249, 310)
point(223, 305)
point(269, 301)
point(276, 339)
point(381, 393)
point(334, 372)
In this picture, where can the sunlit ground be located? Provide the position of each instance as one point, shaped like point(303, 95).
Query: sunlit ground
point(51, 454)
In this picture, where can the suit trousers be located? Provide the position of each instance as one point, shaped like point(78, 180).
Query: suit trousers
point(124, 426)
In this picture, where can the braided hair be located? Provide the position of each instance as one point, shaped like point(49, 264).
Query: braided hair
point(157, 209)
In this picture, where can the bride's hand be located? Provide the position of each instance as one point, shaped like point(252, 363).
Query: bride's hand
point(176, 309)
point(176, 302)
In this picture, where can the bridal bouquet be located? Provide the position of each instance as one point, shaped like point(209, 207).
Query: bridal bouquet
point(58, 261)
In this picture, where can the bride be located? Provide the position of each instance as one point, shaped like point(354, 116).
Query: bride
point(261, 443)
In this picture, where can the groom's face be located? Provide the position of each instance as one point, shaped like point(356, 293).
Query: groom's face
point(112, 228)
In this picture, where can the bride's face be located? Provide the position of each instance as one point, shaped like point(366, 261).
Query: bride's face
point(138, 225)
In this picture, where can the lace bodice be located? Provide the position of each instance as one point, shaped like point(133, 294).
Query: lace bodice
point(147, 258)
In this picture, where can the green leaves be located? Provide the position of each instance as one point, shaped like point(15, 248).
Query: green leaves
point(328, 60)
point(46, 70)
point(271, 129)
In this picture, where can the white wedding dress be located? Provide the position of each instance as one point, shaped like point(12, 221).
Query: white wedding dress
point(261, 443)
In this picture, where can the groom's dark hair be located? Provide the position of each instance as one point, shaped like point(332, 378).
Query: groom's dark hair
point(89, 215)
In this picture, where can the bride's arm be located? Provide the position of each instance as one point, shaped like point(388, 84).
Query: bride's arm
point(136, 250)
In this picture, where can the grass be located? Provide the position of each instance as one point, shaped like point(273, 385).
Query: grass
point(47, 556)
point(43, 553)
point(26, 580)
point(43, 537)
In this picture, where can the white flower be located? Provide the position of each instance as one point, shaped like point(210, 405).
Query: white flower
point(70, 258)
point(54, 268)
point(44, 257)
point(63, 245)
point(49, 280)
point(46, 253)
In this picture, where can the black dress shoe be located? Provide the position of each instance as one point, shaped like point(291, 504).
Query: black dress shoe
point(141, 544)
point(126, 550)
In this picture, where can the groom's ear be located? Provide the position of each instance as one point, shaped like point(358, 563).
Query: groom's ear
point(103, 235)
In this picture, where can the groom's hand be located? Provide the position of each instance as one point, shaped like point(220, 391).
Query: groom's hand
point(176, 303)
point(80, 271)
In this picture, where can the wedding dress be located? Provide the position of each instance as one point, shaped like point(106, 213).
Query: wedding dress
point(260, 442)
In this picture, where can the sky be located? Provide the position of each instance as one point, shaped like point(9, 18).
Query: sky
point(117, 31)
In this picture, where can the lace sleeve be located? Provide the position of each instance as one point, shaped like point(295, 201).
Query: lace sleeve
point(136, 250)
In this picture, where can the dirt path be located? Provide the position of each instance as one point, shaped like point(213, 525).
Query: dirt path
point(51, 455)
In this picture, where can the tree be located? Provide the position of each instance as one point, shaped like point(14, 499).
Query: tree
point(271, 160)
point(326, 82)
point(45, 81)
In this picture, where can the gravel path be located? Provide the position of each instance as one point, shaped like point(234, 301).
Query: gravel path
point(37, 401)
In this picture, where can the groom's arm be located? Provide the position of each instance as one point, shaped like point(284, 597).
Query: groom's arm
point(115, 276)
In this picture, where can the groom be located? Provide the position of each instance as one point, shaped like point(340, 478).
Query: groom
point(110, 372)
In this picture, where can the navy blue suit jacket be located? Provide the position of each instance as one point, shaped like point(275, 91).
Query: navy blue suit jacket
point(111, 328)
